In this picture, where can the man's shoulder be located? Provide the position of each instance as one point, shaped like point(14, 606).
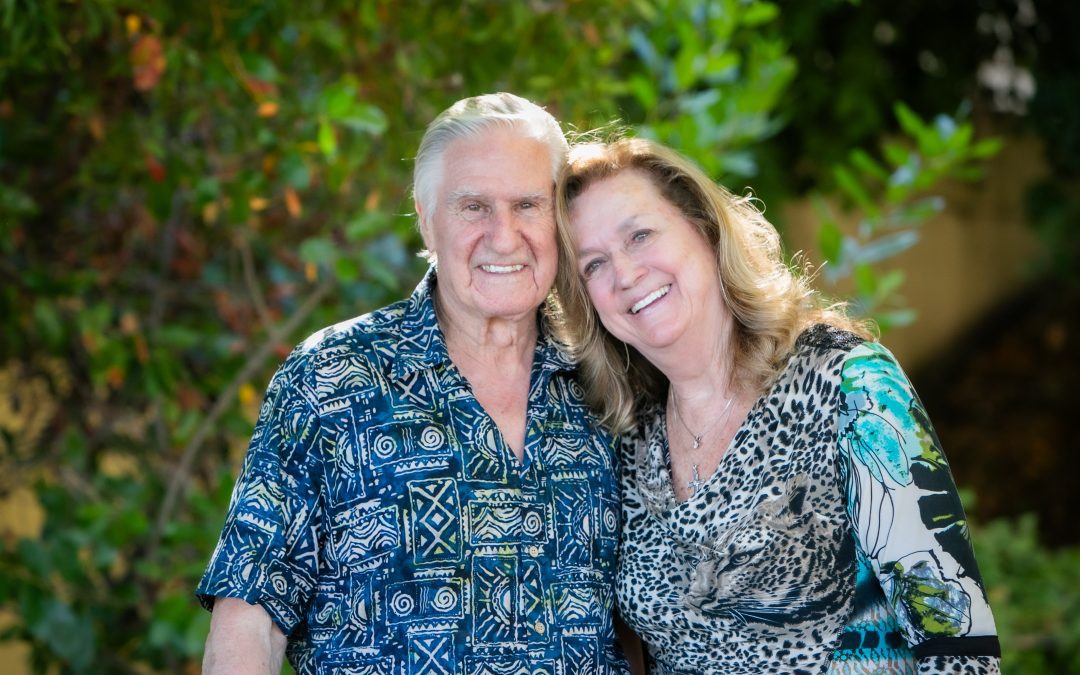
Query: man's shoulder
point(367, 338)
point(359, 330)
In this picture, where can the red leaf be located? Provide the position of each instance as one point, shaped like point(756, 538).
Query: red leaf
point(155, 168)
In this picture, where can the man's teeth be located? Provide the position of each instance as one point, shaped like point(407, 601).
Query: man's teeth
point(650, 299)
point(502, 269)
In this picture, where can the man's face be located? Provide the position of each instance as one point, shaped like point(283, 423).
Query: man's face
point(492, 227)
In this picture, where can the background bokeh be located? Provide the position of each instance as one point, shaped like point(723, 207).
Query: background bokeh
point(186, 191)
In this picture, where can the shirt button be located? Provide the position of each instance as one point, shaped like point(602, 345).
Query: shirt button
point(539, 627)
point(534, 551)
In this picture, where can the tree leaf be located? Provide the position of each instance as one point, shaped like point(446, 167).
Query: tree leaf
point(327, 139)
point(366, 118)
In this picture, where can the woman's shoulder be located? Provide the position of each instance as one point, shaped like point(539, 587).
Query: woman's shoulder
point(826, 337)
point(825, 348)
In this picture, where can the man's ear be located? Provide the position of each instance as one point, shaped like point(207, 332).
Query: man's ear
point(424, 225)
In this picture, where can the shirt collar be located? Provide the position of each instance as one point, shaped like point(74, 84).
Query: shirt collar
point(423, 346)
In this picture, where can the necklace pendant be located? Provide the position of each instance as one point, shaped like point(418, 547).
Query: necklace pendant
point(697, 442)
point(695, 483)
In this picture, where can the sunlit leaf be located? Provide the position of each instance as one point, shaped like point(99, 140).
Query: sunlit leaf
point(327, 139)
point(368, 223)
point(862, 161)
point(987, 148)
point(830, 239)
point(896, 318)
point(885, 247)
point(853, 189)
point(910, 122)
point(367, 118)
point(757, 13)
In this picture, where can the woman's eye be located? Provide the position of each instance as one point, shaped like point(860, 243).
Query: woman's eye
point(590, 268)
point(640, 235)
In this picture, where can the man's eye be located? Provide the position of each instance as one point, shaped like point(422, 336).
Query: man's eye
point(473, 207)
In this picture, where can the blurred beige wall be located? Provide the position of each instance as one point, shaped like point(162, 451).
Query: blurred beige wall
point(977, 253)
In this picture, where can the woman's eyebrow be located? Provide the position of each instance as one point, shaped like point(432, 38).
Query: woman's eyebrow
point(627, 224)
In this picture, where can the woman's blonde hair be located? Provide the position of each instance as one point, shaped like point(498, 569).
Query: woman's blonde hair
point(770, 302)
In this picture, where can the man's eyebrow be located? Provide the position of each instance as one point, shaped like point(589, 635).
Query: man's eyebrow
point(458, 195)
point(535, 197)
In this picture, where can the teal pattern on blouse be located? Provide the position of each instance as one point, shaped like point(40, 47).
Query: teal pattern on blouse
point(928, 585)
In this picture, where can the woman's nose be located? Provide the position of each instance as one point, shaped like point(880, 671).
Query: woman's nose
point(627, 270)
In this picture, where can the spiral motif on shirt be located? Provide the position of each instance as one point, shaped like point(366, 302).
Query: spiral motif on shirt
point(445, 599)
point(402, 604)
point(385, 446)
point(431, 438)
point(532, 524)
point(611, 520)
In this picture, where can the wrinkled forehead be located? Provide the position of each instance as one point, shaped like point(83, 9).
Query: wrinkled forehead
point(499, 163)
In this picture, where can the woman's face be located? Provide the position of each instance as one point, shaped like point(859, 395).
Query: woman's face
point(649, 272)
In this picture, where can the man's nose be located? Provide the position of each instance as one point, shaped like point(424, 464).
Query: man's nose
point(505, 229)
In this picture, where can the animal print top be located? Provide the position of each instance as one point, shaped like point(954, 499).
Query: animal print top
point(830, 538)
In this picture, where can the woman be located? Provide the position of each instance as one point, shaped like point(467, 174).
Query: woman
point(786, 504)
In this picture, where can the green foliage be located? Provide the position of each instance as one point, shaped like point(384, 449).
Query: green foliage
point(1034, 595)
point(713, 76)
point(892, 198)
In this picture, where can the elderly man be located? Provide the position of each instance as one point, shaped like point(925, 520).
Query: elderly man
point(425, 491)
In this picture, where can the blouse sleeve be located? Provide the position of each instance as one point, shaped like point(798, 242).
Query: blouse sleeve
point(267, 552)
point(908, 518)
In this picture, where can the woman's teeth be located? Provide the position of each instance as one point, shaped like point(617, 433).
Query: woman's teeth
point(650, 299)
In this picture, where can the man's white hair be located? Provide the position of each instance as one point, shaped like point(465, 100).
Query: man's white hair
point(472, 116)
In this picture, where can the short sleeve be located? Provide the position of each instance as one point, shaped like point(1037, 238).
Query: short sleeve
point(908, 517)
point(268, 550)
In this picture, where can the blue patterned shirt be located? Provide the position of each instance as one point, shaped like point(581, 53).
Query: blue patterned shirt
point(386, 527)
